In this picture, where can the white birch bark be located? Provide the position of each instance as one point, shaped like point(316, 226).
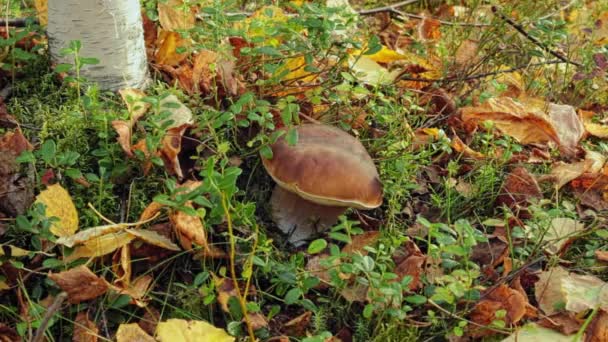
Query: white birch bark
point(109, 30)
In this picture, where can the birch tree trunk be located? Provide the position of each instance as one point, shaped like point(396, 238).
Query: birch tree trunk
point(109, 30)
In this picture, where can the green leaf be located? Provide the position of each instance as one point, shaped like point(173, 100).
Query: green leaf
point(292, 136)
point(317, 246)
point(266, 152)
point(88, 60)
point(416, 299)
point(368, 311)
point(292, 296)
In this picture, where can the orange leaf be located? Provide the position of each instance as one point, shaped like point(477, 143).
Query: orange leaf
point(84, 329)
point(168, 42)
point(123, 129)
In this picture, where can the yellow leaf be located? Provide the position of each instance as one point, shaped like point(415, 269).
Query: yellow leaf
point(4, 285)
point(593, 128)
point(42, 10)
point(257, 24)
point(14, 251)
point(370, 72)
point(295, 67)
point(179, 330)
point(132, 333)
point(101, 245)
point(173, 15)
point(89, 234)
point(385, 55)
point(168, 42)
point(153, 238)
point(59, 204)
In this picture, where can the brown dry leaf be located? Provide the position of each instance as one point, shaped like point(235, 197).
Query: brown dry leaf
point(15, 143)
point(202, 75)
point(428, 29)
point(80, 284)
point(42, 11)
point(149, 212)
point(191, 227)
point(467, 53)
point(132, 333)
point(561, 232)
point(179, 330)
point(530, 120)
point(564, 322)
point(359, 242)
point(225, 289)
point(410, 262)
point(101, 245)
point(122, 267)
point(519, 189)
point(174, 15)
point(8, 334)
point(355, 293)
point(298, 325)
point(137, 290)
point(150, 320)
point(170, 148)
point(168, 43)
point(89, 234)
point(59, 204)
point(598, 329)
point(501, 298)
point(491, 253)
point(142, 147)
point(257, 320)
point(601, 256)
point(123, 130)
point(563, 173)
point(85, 330)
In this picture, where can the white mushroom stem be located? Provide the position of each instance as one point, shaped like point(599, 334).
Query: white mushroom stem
point(301, 219)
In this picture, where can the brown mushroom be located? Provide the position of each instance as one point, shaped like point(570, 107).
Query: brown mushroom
point(324, 173)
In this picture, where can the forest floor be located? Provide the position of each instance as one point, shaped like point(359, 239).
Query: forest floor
point(143, 215)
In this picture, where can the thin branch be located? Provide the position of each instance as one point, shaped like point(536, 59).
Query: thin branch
point(444, 22)
point(535, 41)
point(563, 8)
point(39, 336)
point(18, 22)
point(475, 76)
point(389, 8)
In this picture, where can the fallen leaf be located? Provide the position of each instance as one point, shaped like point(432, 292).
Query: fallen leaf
point(467, 53)
point(171, 146)
point(519, 189)
point(59, 204)
point(592, 127)
point(384, 55)
point(189, 226)
point(564, 322)
point(298, 325)
point(149, 212)
point(85, 330)
point(175, 15)
point(560, 232)
point(153, 238)
point(150, 320)
point(502, 297)
point(123, 130)
point(15, 143)
point(8, 334)
point(369, 72)
point(80, 284)
point(89, 234)
point(133, 100)
point(533, 332)
point(563, 173)
point(559, 289)
point(179, 330)
point(168, 43)
point(257, 320)
point(13, 251)
point(530, 120)
point(101, 245)
point(459, 146)
point(225, 290)
point(598, 329)
point(601, 255)
point(410, 262)
point(428, 29)
point(42, 11)
point(132, 333)
point(137, 290)
point(359, 242)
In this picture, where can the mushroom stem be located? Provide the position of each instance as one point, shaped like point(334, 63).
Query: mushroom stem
point(301, 219)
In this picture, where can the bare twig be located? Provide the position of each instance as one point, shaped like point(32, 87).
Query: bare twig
point(17, 22)
point(389, 8)
point(39, 336)
point(563, 8)
point(475, 76)
point(444, 22)
point(535, 41)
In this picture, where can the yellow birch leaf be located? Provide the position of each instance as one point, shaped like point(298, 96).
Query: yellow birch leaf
point(295, 67)
point(179, 330)
point(59, 204)
point(384, 55)
point(42, 10)
point(168, 42)
point(14, 251)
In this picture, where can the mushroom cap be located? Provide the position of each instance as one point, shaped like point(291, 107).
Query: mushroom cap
point(327, 166)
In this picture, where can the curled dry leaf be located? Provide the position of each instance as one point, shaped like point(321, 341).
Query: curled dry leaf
point(501, 298)
point(598, 329)
point(149, 212)
point(123, 130)
point(80, 284)
point(460, 147)
point(137, 290)
point(563, 173)
point(530, 120)
point(171, 146)
point(153, 238)
point(592, 127)
point(89, 234)
point(179, 330)
point(132, 333)
point(85, 330)
point(59, 204)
